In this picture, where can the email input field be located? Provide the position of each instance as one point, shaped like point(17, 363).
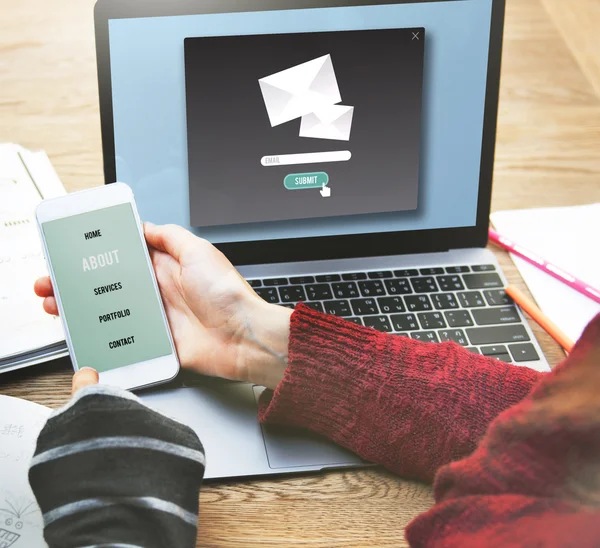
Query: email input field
point(307, 158)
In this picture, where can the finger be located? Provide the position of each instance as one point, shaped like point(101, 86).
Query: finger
point(171, 239)
point(43, 287)
point(50, 306)
point(158, 258)
point(164, 265)
point(166, 268)
point(84, 377)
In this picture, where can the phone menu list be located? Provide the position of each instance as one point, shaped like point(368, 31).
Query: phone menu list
point(112, 311)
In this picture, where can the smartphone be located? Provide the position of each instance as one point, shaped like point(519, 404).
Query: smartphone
point(105, 287)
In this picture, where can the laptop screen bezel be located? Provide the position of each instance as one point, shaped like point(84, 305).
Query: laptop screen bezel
point(325, 247)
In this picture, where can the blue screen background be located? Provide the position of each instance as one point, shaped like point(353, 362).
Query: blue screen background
point(149, 106)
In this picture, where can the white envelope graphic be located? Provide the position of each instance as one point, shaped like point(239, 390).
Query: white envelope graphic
point(299, 90)
point(331, 122)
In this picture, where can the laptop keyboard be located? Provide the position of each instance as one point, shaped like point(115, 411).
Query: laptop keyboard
point(464, 304)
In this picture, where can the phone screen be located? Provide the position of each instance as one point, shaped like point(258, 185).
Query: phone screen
point(111, 308)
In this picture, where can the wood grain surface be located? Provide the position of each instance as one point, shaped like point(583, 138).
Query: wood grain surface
point(548, 155)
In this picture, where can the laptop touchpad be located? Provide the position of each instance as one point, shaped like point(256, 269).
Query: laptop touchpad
point(291, 448)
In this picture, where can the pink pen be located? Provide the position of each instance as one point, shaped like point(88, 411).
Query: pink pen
point(548, 268)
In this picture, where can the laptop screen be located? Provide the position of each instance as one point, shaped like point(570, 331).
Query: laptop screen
point(299, 123)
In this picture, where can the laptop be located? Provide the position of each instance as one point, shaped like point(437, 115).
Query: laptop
point(339, 152)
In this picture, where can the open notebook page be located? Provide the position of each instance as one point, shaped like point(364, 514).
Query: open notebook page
point(21, 524)
point(23, 323)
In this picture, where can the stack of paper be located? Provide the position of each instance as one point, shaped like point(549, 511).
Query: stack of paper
point(568, 238)
point(28, 336)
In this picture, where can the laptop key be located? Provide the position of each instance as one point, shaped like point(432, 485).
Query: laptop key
point(484, 268)
point(288, 305)
point(268, 294)
point(482, 281)
point(455, 335)
point(450, 283)
point(345, 290)
point(424, 285)
point(380, 275)
point(364, 307)
point(473, 349)
point(445, 301)
point(493, 316)
point(471, 299)
point(425, 336)
point(354, 277)
point(275, 282)
point(328, 278)
point(254, 283)
point(431, 271)
point(338, 308)
point(302, 280)
point(372, 289)
point(381, 323)
point(405, 322)
point(357, 321)
point(502, 358)
point(497, 350)
point(458, 269)
point(432, 320)
point(524, 352)
point(459, 318)
point(398, 287)
point(319, 292)
point(405, 273)
point(391, 305)
point(316, 306)
point(292, 294)
point(497, 297)
point(418, 303)
point(497, 334)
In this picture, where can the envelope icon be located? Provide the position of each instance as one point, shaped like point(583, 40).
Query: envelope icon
point(331, 122)
point(300, 90)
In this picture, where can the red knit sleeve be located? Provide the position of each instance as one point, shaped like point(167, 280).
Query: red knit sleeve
point(410, 406)
point(534, 480)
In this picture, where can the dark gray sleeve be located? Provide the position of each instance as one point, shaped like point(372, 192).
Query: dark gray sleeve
point(108, 471)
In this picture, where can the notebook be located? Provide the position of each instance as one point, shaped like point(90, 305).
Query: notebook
point(567, 237)
point(27, 334)
point(21, 523)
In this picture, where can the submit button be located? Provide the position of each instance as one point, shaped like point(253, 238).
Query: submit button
point(297, 181)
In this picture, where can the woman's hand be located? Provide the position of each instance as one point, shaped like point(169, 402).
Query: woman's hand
point(220, 326)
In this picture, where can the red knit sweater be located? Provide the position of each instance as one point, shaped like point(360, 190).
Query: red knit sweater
point(515, 454)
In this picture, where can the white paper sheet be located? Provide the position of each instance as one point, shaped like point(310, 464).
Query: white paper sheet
point(21, 524)
point(569, 238)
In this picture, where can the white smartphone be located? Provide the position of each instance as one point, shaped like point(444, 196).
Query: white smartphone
point(105, 287)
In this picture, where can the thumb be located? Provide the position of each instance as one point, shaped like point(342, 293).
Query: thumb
point(84, 377)
point(171, 239)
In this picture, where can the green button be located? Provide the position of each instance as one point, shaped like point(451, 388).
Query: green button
point(297, 181)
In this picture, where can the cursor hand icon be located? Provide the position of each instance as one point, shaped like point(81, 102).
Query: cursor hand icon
point(326, 191)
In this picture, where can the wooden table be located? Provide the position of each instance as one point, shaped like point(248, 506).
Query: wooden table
point(548, 155)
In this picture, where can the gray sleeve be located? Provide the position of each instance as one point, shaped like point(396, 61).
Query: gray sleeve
point(109, 471)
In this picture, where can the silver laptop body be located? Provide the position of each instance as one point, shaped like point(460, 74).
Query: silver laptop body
point(430, 284)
